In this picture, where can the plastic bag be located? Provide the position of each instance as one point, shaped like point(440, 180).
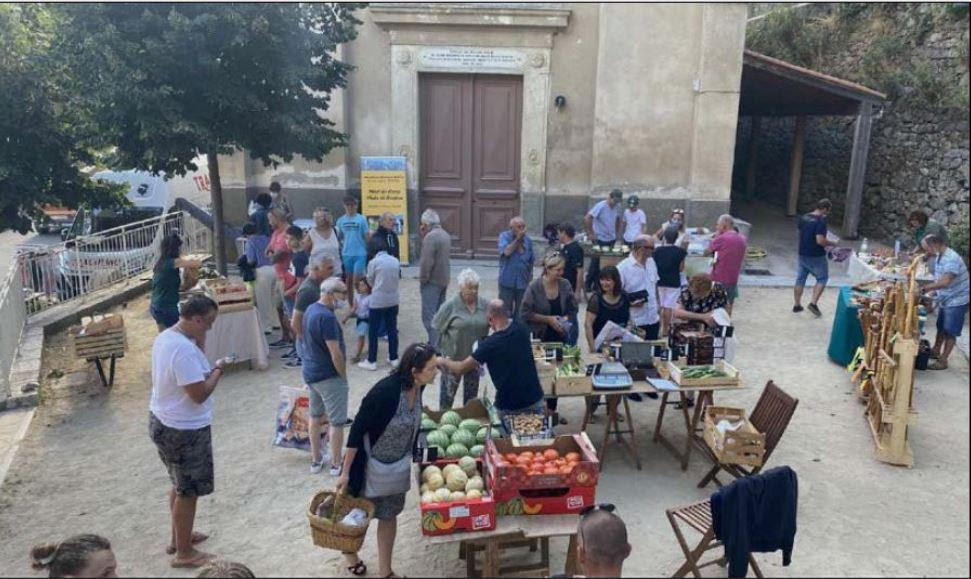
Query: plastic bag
point(293, 419)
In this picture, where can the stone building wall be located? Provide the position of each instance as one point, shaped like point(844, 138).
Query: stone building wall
point(918, 155)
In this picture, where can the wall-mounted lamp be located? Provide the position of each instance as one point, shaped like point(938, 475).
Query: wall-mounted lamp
point(559, 102)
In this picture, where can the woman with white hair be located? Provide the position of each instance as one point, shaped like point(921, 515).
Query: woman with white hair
point(460, 322)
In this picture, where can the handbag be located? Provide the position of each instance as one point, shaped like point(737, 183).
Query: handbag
point(382, 479)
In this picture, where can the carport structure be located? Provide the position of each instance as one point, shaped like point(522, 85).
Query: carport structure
point(774, 88)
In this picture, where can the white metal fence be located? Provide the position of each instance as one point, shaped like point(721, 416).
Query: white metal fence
point(12, 313)
point(73, 269)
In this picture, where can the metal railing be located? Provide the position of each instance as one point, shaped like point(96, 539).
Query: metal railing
point(71, 270)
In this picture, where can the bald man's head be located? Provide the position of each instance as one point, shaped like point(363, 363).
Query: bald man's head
point(604, 543)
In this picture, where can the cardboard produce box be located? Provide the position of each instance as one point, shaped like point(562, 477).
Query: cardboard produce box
point(443, 518)
point(507, 479)
point(560, 501)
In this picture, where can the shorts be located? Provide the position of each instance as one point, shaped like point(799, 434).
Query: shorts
point(329, 397)
point(186, 454)
point(950, 320)
point(731, 290)
point(354, 264)
point(362, 328)
point(288, 304)
point(277, 294)
point(165, 316)
point(668, 296)
point(815, 265)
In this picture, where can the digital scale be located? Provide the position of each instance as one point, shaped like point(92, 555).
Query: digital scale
point(611, 376)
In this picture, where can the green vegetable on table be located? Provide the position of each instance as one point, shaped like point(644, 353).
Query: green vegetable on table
point(702, 372)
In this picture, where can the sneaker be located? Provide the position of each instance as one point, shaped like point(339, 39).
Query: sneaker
point(814, 310)
point(364, 364)
point(651, 395)
point(796, 309)
point(635, 397)
point(291, 354)
point(316, 466)
point(335, 470)
point(295, 363)
point(394, 363)
point(280, 344)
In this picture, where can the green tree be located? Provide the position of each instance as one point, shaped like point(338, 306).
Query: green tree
point(164, 83)
point(41, 139)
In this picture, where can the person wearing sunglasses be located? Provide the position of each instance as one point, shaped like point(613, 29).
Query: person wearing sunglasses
point(602, 543)
point(677, 221)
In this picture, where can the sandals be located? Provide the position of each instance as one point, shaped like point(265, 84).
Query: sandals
point(358, 568)
point(198, 561)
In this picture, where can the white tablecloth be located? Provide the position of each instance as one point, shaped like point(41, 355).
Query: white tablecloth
point(860, 272)
point(238, 333)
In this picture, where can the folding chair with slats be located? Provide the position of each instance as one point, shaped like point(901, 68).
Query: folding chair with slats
point(771, 417)
point(698, 517)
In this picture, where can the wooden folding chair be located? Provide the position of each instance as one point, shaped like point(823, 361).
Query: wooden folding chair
point(698, 517)
point(771, 417)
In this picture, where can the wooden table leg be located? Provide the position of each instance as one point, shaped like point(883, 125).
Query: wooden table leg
point(660, 416)
point(571, 557)
point(101, 372)
point(612, 403)
point(633, 440)
point(689, 430)
point(111, 372)
point(587, 413)
point(490, 567)
point(704, 399)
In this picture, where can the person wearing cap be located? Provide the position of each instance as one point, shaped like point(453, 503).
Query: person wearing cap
point(635, 222)
point(603, 224)
point(677, 221)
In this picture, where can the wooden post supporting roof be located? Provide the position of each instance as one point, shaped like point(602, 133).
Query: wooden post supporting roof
point(854, 188)
point(795, 166)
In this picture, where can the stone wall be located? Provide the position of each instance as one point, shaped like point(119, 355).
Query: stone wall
point(918, 155)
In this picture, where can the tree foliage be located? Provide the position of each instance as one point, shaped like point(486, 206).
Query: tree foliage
point(42, 141)
point(166, 82)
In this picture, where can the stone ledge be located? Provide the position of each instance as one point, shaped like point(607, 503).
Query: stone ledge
point(391, 15)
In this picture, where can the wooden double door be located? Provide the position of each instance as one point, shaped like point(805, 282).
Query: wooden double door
point(470, 128)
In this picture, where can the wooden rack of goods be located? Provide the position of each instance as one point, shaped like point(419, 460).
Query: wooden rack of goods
point(230, 296)
point(99, 337)
point(886, 374)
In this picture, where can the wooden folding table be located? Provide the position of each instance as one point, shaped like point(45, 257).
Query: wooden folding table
point(515, 531)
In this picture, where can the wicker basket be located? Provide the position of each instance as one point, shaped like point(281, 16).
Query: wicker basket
point(331, 534)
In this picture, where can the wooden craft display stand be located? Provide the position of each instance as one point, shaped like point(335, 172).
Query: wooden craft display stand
point(886, 374)
point(98, 338)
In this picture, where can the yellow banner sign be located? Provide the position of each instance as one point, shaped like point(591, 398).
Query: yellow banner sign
point(384, 188)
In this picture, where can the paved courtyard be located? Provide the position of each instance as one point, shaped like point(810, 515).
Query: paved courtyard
point(87, 465)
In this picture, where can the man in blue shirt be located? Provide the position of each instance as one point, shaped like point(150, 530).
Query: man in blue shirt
point(516, 259)
point(812, 255)
point(325, 372)
point(509, 356)
point(352, 227)
point(953, 293)
point(603, 223)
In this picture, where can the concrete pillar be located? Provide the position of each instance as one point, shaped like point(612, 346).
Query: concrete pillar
point(795, 166)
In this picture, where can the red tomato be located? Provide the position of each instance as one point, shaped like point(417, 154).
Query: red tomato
point(566, 469)
point(551, 454)
point(560, 462)
point(551, 470)
point(511, 456)
point(523, 460)
point(526, 453)
point(573, 456)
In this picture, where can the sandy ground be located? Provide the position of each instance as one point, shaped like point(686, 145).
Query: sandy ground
point(87, 465)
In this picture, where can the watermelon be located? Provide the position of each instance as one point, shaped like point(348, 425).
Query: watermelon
point(470, 424)
point(456, 450)
point(463, 437)
point(437, 438)
point(450, 417)
point(428, 424)
point(477, 450)
point(425, 416)
point(480, 436)
point(448, 429)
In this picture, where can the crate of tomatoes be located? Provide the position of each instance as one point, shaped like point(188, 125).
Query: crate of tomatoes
point(550, 479)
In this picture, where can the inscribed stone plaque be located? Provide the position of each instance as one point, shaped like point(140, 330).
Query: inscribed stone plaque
point(471, 58)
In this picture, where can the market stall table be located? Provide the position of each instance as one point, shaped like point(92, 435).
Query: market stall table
point(513, 529)
point(705, 397)
point(239, 333)
point(847, 334)
point(614, 397)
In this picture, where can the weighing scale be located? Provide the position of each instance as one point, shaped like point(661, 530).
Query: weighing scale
point(611, 376)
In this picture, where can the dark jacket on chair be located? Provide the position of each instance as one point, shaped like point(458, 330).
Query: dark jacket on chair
point(756, 514)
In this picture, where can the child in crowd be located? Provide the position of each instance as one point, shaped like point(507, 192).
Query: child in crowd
point(362, 301)
point(77, 556)
point(300, 245)
point(222, 568)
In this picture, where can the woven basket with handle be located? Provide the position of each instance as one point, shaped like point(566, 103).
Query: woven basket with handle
point(330, 533)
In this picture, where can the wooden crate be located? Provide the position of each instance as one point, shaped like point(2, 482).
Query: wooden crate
point(547, 375)
point(102, 344)
point(731, 380)
point(226, 293)
point(572, 385)
point(744, 446)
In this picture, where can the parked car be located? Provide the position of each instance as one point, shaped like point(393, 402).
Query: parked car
point(54, 219)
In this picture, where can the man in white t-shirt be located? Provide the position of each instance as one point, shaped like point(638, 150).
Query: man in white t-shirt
point(635, 222)
point(180, 414)
point(638, 277)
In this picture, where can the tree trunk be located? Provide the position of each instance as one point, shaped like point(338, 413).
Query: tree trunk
point(218, 227)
